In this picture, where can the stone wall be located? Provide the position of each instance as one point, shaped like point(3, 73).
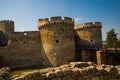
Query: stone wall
point(4, 73)
point(52, 45)
point(23, 50)
point(73, 71)
point(88, 39)
point(88, 34)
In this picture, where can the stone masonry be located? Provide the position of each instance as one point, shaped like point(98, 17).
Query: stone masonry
point(72, 71)
point(57, 42)
point(57, 39)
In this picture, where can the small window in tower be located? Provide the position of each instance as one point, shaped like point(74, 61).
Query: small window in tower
point(57, 41)
point(91, 40)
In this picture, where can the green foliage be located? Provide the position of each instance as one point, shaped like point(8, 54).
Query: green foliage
point(111, 37)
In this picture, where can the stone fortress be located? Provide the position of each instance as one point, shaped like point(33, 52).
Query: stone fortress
point(58, 41)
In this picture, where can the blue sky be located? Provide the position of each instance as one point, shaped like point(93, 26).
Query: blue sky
point(25, 13)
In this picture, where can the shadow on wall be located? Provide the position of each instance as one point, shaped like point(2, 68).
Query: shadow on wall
point(0, 61)
point(3, 39)
point(85, 50)
point(45, 62)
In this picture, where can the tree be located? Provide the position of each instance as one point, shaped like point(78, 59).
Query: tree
point(111, 37)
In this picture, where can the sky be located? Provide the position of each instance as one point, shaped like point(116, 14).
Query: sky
point(25, 13)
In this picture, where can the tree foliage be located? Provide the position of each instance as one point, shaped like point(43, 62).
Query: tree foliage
point(111, 37)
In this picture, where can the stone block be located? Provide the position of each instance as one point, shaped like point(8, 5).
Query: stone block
point(67, 71)
point(79, 64)
point(50, 75)
point(59, 73)
point(95, 78)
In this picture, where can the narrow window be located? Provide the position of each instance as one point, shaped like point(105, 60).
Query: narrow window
point(57, 41)
point(91, 40)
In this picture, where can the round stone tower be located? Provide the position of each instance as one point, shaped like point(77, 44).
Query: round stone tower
point(57, 38)
point(89, 33)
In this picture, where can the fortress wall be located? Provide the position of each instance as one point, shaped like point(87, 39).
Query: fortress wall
point(73, 71)
point(53, 44)
point(57, 38)
point(26, 36)
point(88, 39)
point(89, 33)
point(23, 50)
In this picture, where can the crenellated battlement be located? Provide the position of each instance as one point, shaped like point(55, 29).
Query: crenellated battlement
point(6, 21)
point(7, 26)
point(88, 24)
point(54, 21)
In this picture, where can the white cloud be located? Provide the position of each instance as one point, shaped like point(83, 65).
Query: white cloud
point(77, 19)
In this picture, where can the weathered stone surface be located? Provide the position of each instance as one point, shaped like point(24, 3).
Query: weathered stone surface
point(113, 70)
point(43, 77)
point(67, 71)
point(45, 70)
point(95, 78)
point(76, 72)
point(59, 73)
point(4, 73)
point(57, 79)
point(1, 78)
point(50, 75)
point(33, 76)
point(19, 78)
point(91, 69)
point(65, 66)
point(83, 72)
point(57, 38)
point(88, 34)
point(52, 45)
point(68, 77)
point(92, 72)
point(79, 64)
